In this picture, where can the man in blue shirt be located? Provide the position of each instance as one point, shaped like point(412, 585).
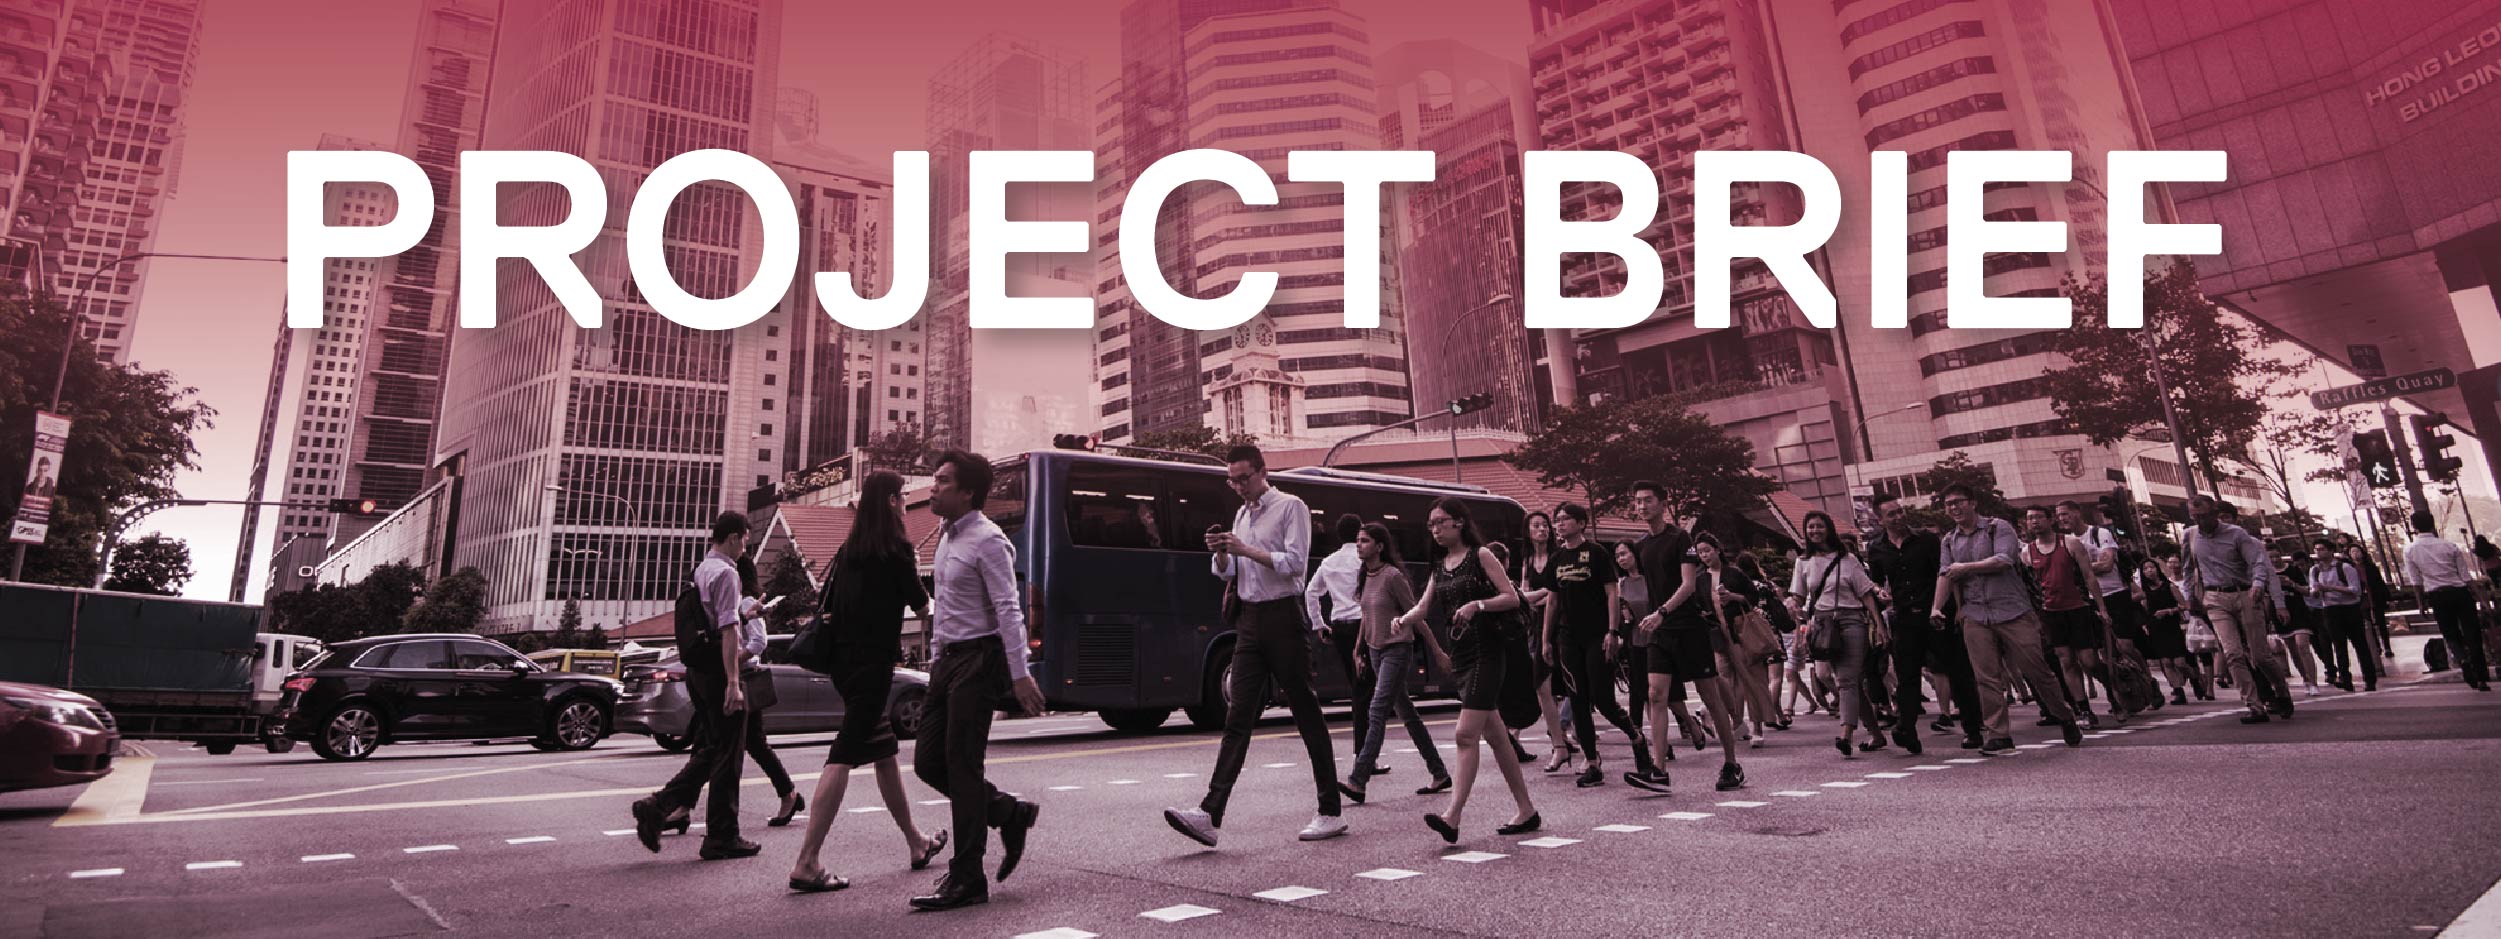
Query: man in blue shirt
point(2001, 630)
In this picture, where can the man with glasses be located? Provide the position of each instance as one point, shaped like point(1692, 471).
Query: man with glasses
point(1905, 562)
point(2232, 582)
point(2001, 630)
point(1262, 560)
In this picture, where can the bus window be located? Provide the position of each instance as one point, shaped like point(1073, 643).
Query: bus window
point(1327, 503)
point(1198, 500)
point(1006, 507)
point(1111, 506)
point(1500, 521)
point(1404, 513)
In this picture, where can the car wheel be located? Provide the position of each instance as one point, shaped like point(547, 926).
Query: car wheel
point(1216, 697)
point(905, 714)
point(220, 748)
point(674, 743)
point(280, 744)
point(1135, 720)
point(576, 725)
point(351, 732)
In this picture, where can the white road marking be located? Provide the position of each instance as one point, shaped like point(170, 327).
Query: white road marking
point(1175, 914)
point(1276, 766)
point(1844, 785)
point(1932, 766)
point(402, 772)
point(1549, 842)
point(1058, 932)
point(1406, 749)
point(1797, 794)
point(2035, 746)
point(209, 782)
point(318, 858)
point(1179, 775)
point(1122, 782)
point(1743, 805)
point(429, 848)
point(1474, 857)
point(865, 809)
point(1389, 873)
point(617, 831)
point(1968, 760)
point(1622, 829)
point(2482, 918)
point(211, 865)
point(1289, 894)
point(98, 872)
point(932, 802)
point(1888, 775)
point(1686, 816)
point(1066, 788)
point(533, 839)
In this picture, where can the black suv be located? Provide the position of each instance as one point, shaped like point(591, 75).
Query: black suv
point(367, 692)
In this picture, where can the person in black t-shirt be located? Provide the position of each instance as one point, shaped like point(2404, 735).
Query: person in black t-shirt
point(1680, 636)
point(1579, 617)
point(1905, 563)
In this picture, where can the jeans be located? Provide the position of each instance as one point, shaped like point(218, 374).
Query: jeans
point(1269, 645)
point(2463, 629)
point(1917, 644)
point(1849, 671)
point(2345, 628)
point(966, 686)
point(717, 760)
point(1392, 665)
point(1593, 689)
point(2001, 651)
point(2240, 624)
point(1344, 637)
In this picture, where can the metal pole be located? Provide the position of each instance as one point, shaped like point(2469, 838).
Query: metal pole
point(2405, 459)
point(1456, 473)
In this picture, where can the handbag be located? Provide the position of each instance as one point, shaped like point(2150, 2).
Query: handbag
point(759, 685)
point(1823, 636)
point(816, 646)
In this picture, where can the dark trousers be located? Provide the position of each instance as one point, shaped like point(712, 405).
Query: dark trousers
point(1345, 636)
point(717, 761)
point(2346, 631)
point(966, 687)
point(760, 751)
point(1269, 646)
point(2463, 629)
point(1593, 689)
point(1916, 644)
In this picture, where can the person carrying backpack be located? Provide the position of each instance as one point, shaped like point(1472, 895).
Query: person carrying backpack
point(707, 630)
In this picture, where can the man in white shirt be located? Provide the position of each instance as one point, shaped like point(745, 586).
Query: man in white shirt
point(1335, 583)
point(709, 648)
point(977, 637)
point(2442, 576)
point(1264, 556)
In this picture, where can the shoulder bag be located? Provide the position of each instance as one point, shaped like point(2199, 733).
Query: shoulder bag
point(815, 647)
point(1823, 636)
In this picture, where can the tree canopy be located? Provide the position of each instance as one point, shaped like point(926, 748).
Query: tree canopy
point(154, 564)
point(1603, 449)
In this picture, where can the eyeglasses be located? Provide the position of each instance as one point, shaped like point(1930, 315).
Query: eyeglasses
point(1239, 480)
point(1439, 522)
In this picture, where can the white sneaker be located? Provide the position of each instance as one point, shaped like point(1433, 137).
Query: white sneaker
point(1322, 827)
point(2310, 691)
point(1197, 824)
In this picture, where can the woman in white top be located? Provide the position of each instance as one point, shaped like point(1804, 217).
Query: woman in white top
point(1832, 590)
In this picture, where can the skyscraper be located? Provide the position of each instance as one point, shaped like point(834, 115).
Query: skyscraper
point(133, 164)
point(1003, 93)
point(645, 429)
point(846, 386)
point(1262, 79)
point(54, 73)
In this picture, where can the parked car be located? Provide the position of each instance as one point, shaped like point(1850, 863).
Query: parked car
point(656, 701)
point(584, 661)
point(50, 737)
point(386, 689)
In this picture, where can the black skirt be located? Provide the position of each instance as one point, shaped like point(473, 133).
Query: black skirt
point(866, 736)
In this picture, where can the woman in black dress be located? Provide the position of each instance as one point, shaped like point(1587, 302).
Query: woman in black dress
point(1533, 571)
point(1471, 597)
point(2166, 632)
point(872, 580)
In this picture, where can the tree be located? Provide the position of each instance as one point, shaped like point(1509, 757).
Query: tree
point(1200, 439)
point(386, 594)
point(132, 432)
point(453, 604)
point(1604, 448)
point(1958, 470)
point(570, 620)
point(788, 581)
point(333, 613)
point(154, 564)
point(2214, 365)
point(2284, 438)
point(902, 450)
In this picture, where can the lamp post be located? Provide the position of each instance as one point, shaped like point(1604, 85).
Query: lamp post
point(1442, 350)
point(2153, 358)
point(1868, 446)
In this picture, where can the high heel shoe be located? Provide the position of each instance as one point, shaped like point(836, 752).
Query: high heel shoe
point(1532, 823)
point(792, 805)
point(1562, 758)
point(1448, 831)
point(679, 823)
point(929, 849)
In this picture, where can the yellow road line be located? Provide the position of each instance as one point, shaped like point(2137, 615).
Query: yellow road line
point(244, 810)
point(116, 798)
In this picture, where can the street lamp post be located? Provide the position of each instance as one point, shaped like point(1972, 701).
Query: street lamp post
point(2153, 359)
point(1442, 350)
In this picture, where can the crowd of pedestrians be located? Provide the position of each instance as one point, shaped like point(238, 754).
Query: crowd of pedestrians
point(1670, 638)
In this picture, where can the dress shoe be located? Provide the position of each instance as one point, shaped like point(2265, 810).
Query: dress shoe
point(1972, 742)
point(1020, 820)
point(2046, 721)
point(2001, 745)
point(1533, 822)
point(2255, 717)
point(1352, 792)
point(647, 821)
point(2178, 696)
point(1442, 827)
point(729, 850)
point(2073, 732)
point(792, 804)
point(1438, 785)
point(953, 893)
point(1907, 738)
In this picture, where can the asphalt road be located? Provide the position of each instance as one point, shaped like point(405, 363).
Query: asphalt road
point(2368, 815)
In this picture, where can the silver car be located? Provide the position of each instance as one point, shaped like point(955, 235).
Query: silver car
point(655, 700)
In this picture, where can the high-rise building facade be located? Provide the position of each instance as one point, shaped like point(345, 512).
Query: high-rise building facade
point(134, 163)
point(643, 428)
point(54, 78)
point(1261, 79)
point(1003, 93)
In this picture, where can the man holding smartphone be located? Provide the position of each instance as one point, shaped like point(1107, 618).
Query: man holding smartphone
point(1262, 559)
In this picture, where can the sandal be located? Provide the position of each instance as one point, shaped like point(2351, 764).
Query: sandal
point(929, 849)
point(1561, 758)
point(821, 883)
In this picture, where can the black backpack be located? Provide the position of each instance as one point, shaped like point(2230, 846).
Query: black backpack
point(698, 642)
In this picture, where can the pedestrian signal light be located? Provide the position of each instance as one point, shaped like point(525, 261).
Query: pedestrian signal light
point(1472, 403)
point(2374, 459)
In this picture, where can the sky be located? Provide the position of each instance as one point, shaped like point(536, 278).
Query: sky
point(275, 75)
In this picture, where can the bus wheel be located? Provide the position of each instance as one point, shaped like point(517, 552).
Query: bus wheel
point(1135, 720)
point(1214, 695)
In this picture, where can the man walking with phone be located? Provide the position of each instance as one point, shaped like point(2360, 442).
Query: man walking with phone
point(977, 634)
point(1262, 559)
point(707, 637)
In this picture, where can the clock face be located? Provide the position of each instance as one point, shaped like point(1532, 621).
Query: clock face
point(1267, 333)
point(1242, 336)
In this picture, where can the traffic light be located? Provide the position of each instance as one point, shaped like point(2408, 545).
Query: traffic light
point(360, 508)
point(2433, 446)
point(2118, 512)
point(1086, 442)
point(1472, 403)
point(2374, 460)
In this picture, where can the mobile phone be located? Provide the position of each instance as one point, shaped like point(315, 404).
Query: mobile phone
point(1216, 529)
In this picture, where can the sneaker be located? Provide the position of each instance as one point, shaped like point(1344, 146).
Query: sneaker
point(1323, 827)
point(2046, 721)
point(2254, 717)
point(1731, 776)
point(1972, 743)
point(1755, 742)
point(2309, 691)
point(1998, 746)
point(1647, 782)
point(1193, 822)
point(1591, 778)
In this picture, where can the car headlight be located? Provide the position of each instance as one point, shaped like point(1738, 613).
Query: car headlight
point(50, 712)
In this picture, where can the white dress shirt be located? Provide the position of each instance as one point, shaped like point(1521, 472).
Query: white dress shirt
point(1279, 524)
point(2436, 563)
point(975, 573)
point(1336, 578)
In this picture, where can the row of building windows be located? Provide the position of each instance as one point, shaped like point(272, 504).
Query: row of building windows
point(712, 27)
point(1356, 389)
point(1355, 419)
point(1322, 100)
point(1951, 32)
point(1934, 197)
point(1288, 55)
point(1941, 75)
point(1278, 230)
point(1267, 130)
point(1320, 28)
point(1989, 396)
point(1990, 266)
point(677, 80)
point(2031, 431)
point(1935, 237)
point(1321, 363)
point(1913, 484)
point(1926, 323)
point(1938, 116)
point(1307, 76)
point(1987, 352)
point(1898, 14)
point(1290, 255)
point(1933, 157)
point(1296, 337)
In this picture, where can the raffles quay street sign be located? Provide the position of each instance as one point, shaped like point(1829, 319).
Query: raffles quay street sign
point(43, 480)
point(2382, 389)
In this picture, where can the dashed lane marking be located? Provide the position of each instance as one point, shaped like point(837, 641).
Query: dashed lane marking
point(322, 858)
point(1179, 775)
point(98, 872)
point(1289, 894)
point(429, 848)
point(2035, 746)
point(1056, 789)
point(613, 832)
point(1888, 775)
point(1796, 794)
point(1389, 873)
point(1058, 932)
point(1967, 760)
point(1474, 857)
point(533, 839)
point(1276, 765)
point(1686, 816)
point(1931, 766)
point(1848, 784)
point(1742, 805)
point(1622, 829)
point(1122, 782)
point(210, 782)
point(1175, 914)
point(931, 802)
point(211, 865)
point(865, 809)
point(1549, 842)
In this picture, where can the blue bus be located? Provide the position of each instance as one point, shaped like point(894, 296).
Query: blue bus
point(1120, 604)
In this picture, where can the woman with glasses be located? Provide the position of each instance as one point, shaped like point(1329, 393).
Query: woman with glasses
point(1840, 596)
point(1471, 597)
